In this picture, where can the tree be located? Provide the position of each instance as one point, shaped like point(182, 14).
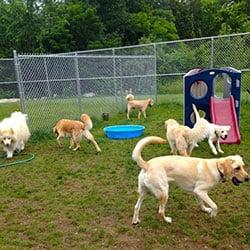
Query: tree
point(69, 26)
point(19, 26)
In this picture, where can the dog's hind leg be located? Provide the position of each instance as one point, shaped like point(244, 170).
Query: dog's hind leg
point(182, 146)
point(144, 113)
point(173, 150)
point(163, 202)
point(76, 137)
point(90, 137)
point(71, 143)
point(128, 112)
point(139, 114)
point(190, 149)
point(142, 193)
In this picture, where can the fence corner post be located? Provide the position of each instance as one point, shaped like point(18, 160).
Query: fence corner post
point(78, 82)
point(19, 82)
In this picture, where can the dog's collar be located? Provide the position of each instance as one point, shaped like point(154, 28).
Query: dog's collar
point(222, 176)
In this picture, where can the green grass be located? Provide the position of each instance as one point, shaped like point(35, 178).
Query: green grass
point(64, 199)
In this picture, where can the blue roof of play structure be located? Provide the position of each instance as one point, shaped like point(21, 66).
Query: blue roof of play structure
point(222, 69)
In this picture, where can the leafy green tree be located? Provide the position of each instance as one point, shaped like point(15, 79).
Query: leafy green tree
point(151, 27)
point(235, 17)
point(19, 26)
point(69, 26)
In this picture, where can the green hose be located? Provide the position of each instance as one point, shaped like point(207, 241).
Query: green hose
point(31, 157)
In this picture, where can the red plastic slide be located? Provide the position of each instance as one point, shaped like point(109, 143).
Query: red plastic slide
point(222, 112)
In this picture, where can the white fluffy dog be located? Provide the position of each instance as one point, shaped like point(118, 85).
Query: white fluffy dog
point(14, 133)
point(213, 132)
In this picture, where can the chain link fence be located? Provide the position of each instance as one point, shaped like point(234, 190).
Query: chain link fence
point(8, 83)
point(65, 85)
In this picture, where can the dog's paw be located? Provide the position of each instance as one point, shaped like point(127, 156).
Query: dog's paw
point(207, 210)
point(168, 219)
point(214, 152)
point(221, 151)
point(136, 221)
point(213, 213)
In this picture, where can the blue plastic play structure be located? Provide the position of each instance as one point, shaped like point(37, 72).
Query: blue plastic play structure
point(199, 88)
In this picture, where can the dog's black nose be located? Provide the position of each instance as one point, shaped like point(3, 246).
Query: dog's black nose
point(247, 178)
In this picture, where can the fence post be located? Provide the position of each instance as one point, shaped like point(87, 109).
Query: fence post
point(19, 82)
point(114, 75)
point(78, 85)
point(47, 76)
point(212, 53)
point(155, 71)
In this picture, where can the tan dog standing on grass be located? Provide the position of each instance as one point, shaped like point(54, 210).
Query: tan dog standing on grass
point(142, 105)
point(183, 139)
point(75, 130)
point(196, 175)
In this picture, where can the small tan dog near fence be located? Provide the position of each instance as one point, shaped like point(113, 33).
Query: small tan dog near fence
point(141, 105)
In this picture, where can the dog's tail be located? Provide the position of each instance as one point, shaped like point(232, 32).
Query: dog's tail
point(87, 121)
point(136, 155)
point(197, 116)
point(130, 97)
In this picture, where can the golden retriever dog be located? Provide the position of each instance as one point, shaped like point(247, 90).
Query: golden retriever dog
point(142, 105)
point(14, 133)
point(213, 132)
point(196, 175)
point(183, 139)
point(75, 130)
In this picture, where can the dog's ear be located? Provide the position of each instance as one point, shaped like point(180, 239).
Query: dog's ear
point(227, 128)
point(225, 166)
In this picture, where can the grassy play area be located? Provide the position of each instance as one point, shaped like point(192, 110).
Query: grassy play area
point(64, 199)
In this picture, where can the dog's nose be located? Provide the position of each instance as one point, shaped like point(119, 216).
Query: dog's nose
point(247, 178)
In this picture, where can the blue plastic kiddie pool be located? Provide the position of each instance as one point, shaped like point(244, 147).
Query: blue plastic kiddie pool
point(124, 131)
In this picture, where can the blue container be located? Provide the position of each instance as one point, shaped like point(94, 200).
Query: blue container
point(123, 131)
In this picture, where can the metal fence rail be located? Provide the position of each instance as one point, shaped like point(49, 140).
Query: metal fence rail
point(96, 81)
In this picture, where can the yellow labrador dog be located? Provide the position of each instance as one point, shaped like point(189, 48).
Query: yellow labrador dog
point(192, 174)
point(142, 105)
